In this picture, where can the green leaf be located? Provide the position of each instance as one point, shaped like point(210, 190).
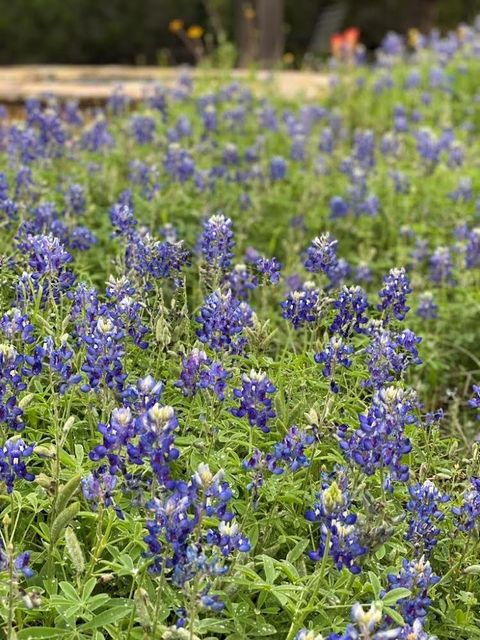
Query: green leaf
point(394, 615)
point(70, 592)
point(297, 550)
point(110, 616)
point(472, 570)
point(65, 492)
point(269, 568)
point(396, 594)
point(38, 633)
point(376, 586)
point(62, 520)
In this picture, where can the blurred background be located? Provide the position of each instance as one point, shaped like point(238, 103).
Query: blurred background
point(226, 32)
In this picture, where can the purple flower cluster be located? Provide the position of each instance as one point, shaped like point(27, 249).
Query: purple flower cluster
point(416, 576)
point(467, 514)
point(223, 320)
point(350, 305)
point(389, 354)
point(335, 353)
point(12, 462)
point(254, 403)
point(340, 535)
point(380, 441)
point(424, 507)
point(301, 305)
point(176, 541)
point(216, 241)
point(200, 372)
point(474, 402)
point(322, 255)
point(396, 287)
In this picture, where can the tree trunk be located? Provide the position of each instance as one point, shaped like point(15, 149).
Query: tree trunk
point(271, 37)
point(245, 32)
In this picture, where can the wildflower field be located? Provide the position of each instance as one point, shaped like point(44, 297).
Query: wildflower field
point(239, 358)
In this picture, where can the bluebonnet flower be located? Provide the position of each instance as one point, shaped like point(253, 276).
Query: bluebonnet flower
point(241, 281)
point(60, 361)
point(464, 190)
point(416, 576)
point(441, 267)
point(126, 309)
point(176, 542)
point(350, 305)
point(270, 268)
point(209, 117)
point(254, 401)
point(152, 258)
point(216, 241)
point(122, 215)
point(24, 183)
point(340, 536)
point(157, 100)
point(21, 563)
point(339, 208)
point(288, 454)
point(144, 394)
point(380, 441)
point(321, 254)
point(146, 176)
point(156, 429)
point(200, 372)
point(427, 308)
point(47, 259)
point(396, 287)
point(278, 168)
point(14, 323)
point(178, 163)
point(474, 402)
point(97, 137)
point(301, 305)
point(424, 507)
point(81, 238)
point(363, 273)
point(118, 101)
point(105, 350)
point(116, 434)
point(336, 352)
point(12, 462)
point(472, 250)
point(223, 320)
point(468, 513)
point(75, 200)
point(389, 354)
point(142, 128)
point(71, 113)
point(98, 488)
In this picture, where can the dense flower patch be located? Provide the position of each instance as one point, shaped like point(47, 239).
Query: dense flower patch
point(239, 365)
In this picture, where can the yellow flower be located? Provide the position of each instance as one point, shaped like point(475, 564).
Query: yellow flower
point(288, 57)
point(413, 37)
point(249, 12)
point(175, 25)
point(195, 32)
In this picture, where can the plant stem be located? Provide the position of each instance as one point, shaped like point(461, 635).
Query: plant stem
point(300, 616)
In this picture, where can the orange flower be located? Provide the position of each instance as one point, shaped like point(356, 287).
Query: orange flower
point(195, 32)
point(336, 44)
point(351, 37)
point(175, 25)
